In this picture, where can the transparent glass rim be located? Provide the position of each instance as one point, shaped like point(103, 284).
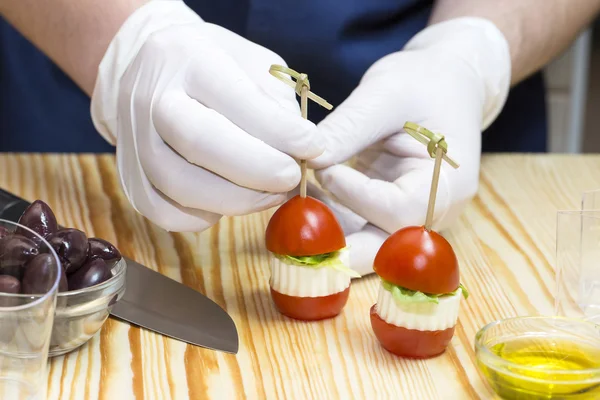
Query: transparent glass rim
point(592, 191)
point(53, 289)
point(595, 214)
point(481, 347)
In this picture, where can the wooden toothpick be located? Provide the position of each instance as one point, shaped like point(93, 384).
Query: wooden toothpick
point(434, 185)
point(437, 148)
point(304, 111)
point(302, 88)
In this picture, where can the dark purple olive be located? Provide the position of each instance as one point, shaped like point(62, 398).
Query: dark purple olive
point(39, 275)
point(71, 245)
point(113, 301)
point(9, 284)
point(93, 272)
point(63, 284)
point(4, 232)
point(15, 252)
point(100, 248)
point(39, 218)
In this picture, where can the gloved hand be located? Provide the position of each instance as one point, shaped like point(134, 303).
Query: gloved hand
point(452, 78)
point(201, 127)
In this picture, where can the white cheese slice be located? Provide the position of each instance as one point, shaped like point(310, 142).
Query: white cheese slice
point(294, 280)
point(419, 316)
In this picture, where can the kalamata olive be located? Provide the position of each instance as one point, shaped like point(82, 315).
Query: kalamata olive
point(3, 232)
point(113, 301)
point(63, 284)
point(71, 245)
point(15, 252)
point(39, 274)
point(100, 248)
point(39, 218)
point(9, 284)
point(93, 272)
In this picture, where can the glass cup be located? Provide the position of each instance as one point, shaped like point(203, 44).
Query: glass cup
point(30, 272)
point(591, 201)
point(578, 261)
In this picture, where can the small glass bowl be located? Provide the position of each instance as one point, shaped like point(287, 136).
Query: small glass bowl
point(540, 358)
point(81, 313)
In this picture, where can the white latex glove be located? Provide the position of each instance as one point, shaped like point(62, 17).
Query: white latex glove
point(201, 127)
point(451, 78)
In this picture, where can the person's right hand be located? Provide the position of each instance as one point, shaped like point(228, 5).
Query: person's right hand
point(201, 127)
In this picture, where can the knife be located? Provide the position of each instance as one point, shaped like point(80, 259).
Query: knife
point(158, 303)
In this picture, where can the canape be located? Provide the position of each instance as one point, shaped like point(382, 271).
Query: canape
point(310, 264)
point(420, 293)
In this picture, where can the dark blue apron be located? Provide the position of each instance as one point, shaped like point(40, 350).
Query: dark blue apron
point(42, 110)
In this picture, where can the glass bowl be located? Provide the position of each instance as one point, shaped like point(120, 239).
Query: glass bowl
point(81, 313)
point(30, 273)
point(540, 358)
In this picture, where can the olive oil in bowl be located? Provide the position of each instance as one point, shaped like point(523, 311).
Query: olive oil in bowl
point(542, 364)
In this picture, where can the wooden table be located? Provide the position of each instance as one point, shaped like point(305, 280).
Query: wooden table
point(504, 241)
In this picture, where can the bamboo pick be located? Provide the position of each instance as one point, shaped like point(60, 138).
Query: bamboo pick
point(434, 185)
point(304, 111)
point(302, 88)
point(437, 148)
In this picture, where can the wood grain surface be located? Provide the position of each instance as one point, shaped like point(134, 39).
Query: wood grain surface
point(504, 241)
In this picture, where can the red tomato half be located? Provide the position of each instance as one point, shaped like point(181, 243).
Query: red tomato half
point(310, 308)
point(410, 343)
point(417, 259)
point(304, 227)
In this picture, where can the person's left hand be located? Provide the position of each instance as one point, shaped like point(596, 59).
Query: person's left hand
point(452, 79)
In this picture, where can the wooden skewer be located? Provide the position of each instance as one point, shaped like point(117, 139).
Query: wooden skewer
point(304, 111)
point(301, 86)
point(437, 142)
point(439, 155)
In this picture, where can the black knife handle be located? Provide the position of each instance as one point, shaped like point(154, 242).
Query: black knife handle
point(11, 206)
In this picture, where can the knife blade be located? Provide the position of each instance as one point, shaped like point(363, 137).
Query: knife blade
point(159, 303)
point(163, 305)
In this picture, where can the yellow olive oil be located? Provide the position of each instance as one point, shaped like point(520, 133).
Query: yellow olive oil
point(543, 367)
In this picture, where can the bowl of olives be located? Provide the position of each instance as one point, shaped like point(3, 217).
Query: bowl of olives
point(92, 274)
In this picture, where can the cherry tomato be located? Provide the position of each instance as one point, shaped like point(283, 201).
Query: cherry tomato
point(310, 308)
point(410, 343)
point(417, 259)
point(304, 227)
